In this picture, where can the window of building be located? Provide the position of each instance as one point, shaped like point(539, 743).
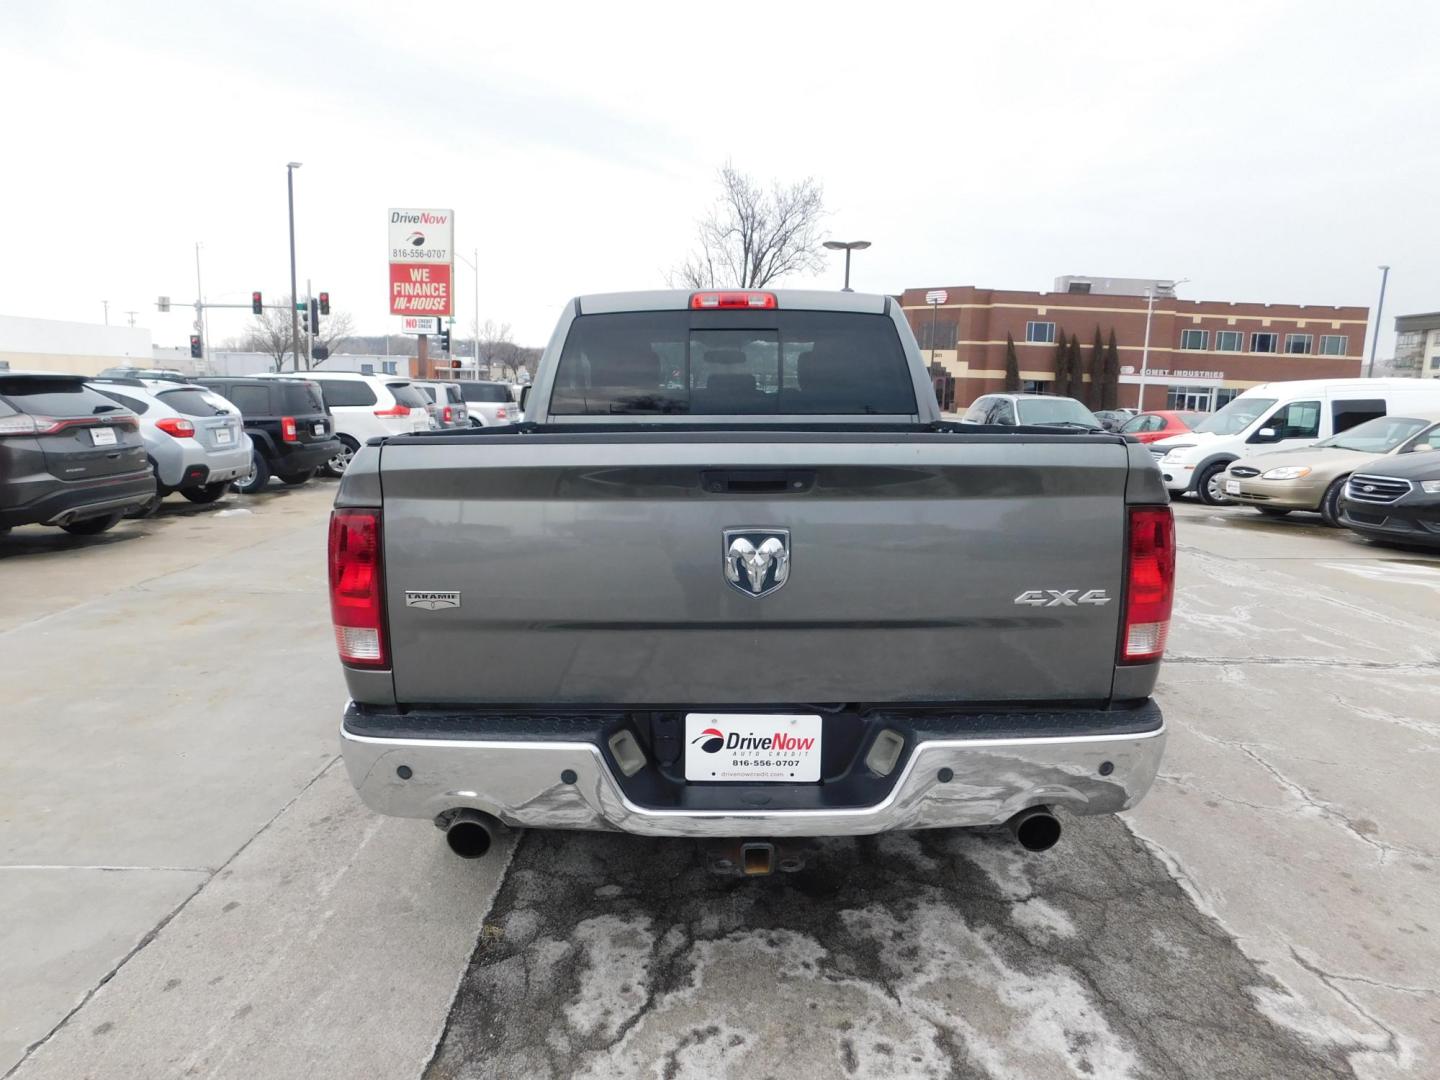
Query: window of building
point(1037, 386)
point(1040, 331)
point(1299, 343)
point(1262, 342)
point(1224, 397)
point(1349, 413)
point(1175, 399)
point(936, 334)
point(1229, 341)
point(367, 369)
point(388, 366)
point(1194, 339)
point(1333, 344)
point(1079, 287)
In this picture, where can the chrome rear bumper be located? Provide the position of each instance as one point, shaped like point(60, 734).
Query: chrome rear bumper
point(569, 785)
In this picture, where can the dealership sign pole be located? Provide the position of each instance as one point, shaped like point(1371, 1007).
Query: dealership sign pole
point(422, 267)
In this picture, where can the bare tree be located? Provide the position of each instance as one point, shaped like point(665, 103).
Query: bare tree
point(752, 236)
point(270, 332)
point(498, 348)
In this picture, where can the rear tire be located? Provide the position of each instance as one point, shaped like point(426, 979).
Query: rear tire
point(208, 493)
point(1330, 504)
point(92, 526)
point(1272, 511)
point(258, 476)
point(1207, 485)
point(296, 478)
point(337, 465)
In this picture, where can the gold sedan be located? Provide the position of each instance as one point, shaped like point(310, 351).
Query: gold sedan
point(1312, 477)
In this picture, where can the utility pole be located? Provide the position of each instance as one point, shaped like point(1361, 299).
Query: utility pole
point(290, 168)
point(1379, 311)
point(132, 315)
point(107, 311)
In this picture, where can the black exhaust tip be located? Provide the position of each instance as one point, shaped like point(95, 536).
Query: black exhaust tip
point(470, 833)
point(1035, 829)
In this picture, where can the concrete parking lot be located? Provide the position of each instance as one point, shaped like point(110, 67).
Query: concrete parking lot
point(191, 888)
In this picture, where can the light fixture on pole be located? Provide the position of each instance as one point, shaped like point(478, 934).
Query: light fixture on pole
point(290, 168)
point(1379, 311)
point(847, 246)
point(1145, 349)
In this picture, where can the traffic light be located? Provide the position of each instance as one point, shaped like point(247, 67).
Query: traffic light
point(196, 351)
point(324, 303)
point(445, 339)
point(255, 305)
point(314, 320)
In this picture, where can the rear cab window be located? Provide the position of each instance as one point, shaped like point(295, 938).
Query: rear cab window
point(751, 363)
point(54, 397)
point(407, 394)
point(301, 398)
point(487, 392)
point(191, 402)
point(342, 392)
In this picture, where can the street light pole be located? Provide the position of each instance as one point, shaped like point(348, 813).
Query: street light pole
point(1145, 350)
point(475, 266)
point(847, 246)
point(290, 168)
point(1379, 311)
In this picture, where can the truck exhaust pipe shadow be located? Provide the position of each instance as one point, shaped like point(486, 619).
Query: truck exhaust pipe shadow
point(1035, 829)
point(470, 833)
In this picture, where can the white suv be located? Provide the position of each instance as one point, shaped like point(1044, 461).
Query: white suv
point(364, 407)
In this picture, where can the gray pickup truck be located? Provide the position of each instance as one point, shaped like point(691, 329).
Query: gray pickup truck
point(736, 577)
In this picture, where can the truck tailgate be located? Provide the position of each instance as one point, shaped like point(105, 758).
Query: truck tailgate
point(591, 568)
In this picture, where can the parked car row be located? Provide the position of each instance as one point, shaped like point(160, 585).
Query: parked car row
point(1361, 453)
point(81, 453)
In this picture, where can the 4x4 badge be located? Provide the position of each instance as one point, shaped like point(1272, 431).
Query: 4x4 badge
point(431, 600)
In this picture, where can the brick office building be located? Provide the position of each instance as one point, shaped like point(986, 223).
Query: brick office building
point(1202, 352)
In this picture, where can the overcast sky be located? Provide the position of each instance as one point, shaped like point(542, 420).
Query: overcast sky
point(1267, 151)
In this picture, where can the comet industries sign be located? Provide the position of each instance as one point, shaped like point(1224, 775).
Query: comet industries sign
point(422, 244)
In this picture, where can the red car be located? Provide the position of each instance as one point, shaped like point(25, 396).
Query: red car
point(1150, 426)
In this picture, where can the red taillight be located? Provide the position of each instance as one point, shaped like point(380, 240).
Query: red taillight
point(732, 300)
point(32, 424)
point(1149, 584)
point(357, 606)
point(449, 415)
point(176, 426)
point(397, 410)
point(501, 414)
point(288, 431)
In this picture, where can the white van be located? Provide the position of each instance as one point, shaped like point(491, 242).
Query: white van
point(1278, 416)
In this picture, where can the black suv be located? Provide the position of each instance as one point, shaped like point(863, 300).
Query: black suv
point(68, 456)
point(289, 423)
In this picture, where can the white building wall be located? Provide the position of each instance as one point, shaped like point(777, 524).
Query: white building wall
point(81, 348)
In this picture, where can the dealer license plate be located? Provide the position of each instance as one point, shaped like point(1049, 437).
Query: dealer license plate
point(318, 429)
point(752, 747)
point(1232, 487)
point(223, 437)
point(102, 436)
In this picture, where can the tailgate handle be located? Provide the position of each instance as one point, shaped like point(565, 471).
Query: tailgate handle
point(757, 481)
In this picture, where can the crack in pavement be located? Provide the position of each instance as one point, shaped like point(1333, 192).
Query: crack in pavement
point(900, 955)
point(1327, 810)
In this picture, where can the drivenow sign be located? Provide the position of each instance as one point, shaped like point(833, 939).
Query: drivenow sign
point(422, 262)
